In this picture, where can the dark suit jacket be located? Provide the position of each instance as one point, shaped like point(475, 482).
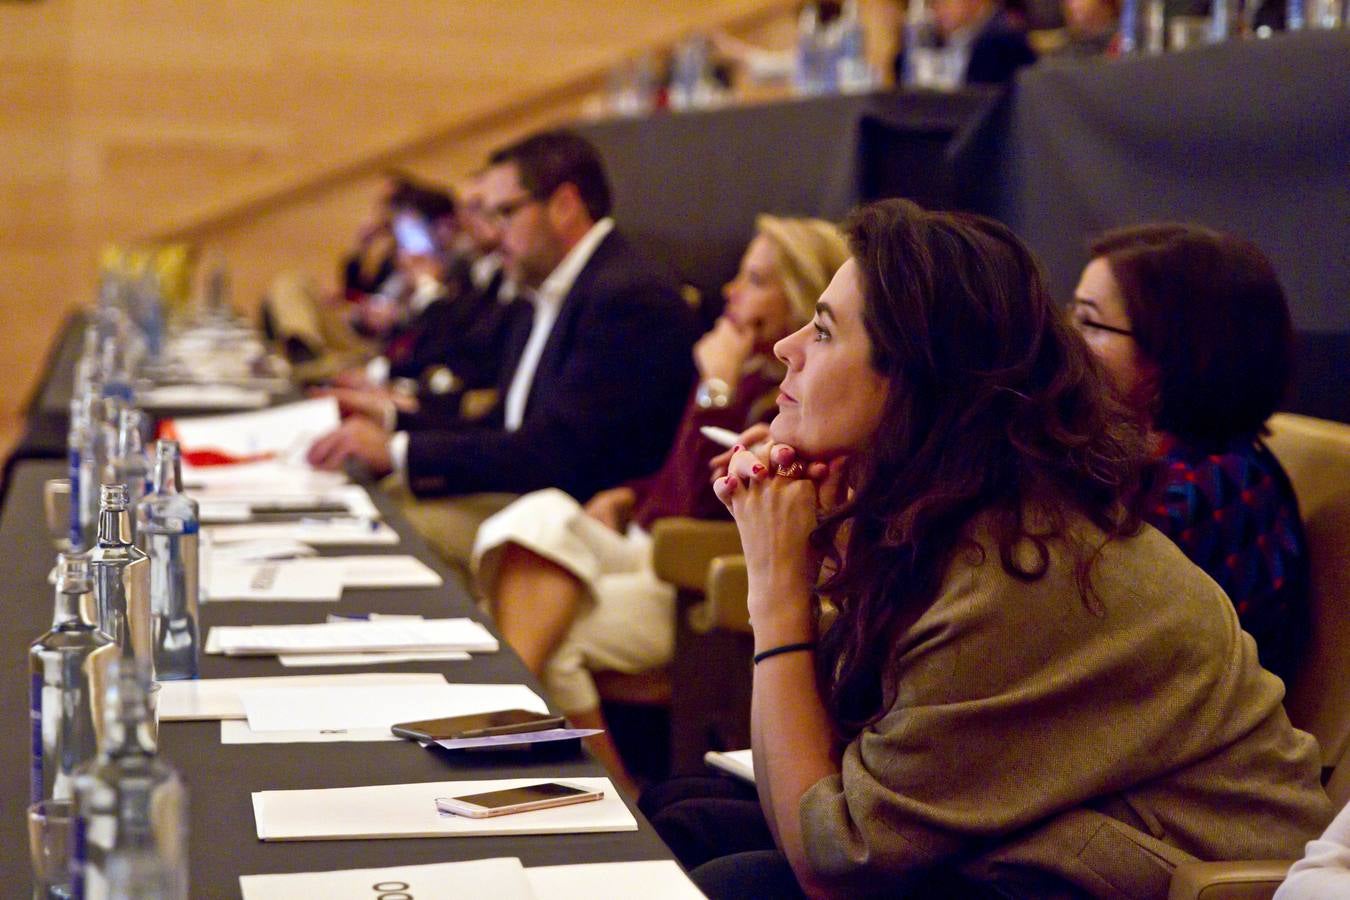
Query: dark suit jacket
point(999, 50)
point(464, 331)
point(606, 397)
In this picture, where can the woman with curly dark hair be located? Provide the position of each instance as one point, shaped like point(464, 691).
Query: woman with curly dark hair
point(976, 672)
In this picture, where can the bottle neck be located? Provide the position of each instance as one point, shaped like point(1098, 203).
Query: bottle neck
point(69, 604)
point(129, 442)
point(168, 473)
point(114, 526)
point(126, 729)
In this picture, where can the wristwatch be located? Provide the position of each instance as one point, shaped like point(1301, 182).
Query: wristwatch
point(713, 393)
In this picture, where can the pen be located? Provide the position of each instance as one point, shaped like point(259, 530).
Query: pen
point(370, 524)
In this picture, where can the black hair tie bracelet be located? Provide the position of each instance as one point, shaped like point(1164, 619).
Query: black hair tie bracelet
point(786, 648)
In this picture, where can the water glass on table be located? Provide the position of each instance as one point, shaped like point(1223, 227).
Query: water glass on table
point(51, 842)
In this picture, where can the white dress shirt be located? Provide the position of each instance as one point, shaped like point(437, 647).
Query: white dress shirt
point(547, 302)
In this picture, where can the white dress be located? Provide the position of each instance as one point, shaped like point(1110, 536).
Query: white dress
point(628, 623)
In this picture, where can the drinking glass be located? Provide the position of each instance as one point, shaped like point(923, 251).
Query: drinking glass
point(56, 508)
point(51, 842)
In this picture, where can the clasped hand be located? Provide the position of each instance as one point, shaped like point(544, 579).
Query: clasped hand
point(777, 500)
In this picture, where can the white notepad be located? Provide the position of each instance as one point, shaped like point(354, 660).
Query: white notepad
point(314, 660)
point(351, 637)
point(409, 810)
point(314, 578)
point(740, 763)
point(500, 879)
point(218, 698)
point(229, 503)
point(654, 879)
point(328, 708)
point(317, 532)
point(292, 580)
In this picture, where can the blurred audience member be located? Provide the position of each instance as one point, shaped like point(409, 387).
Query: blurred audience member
point(980, 43)
point(593, 382)
point(572, 586)
point(1090, 28)
point(1193, 329)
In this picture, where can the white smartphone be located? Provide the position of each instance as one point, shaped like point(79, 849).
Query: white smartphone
point(515, 800)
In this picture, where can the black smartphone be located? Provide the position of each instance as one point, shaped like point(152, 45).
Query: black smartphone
point(502, 721)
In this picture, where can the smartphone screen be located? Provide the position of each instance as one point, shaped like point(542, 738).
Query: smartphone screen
point(515, 796)
point(412, 235)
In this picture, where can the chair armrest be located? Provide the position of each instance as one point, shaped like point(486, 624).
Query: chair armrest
point(1237, 880)
point(682, 549)
point(726, 592)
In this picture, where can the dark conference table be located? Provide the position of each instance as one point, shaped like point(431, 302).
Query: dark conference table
point(222, 841)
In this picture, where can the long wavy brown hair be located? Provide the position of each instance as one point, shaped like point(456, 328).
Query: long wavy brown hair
point(995, 406)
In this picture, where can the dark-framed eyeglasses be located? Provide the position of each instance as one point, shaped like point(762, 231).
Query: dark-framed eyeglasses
point(503, 213)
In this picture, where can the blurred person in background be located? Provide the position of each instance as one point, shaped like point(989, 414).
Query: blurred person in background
point(571, 586)
point(1090, 28)
point(980, 41)
point(1193, 329)
point(601, 365)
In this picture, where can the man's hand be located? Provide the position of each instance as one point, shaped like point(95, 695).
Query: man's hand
point(356, 438)
point(613, 507)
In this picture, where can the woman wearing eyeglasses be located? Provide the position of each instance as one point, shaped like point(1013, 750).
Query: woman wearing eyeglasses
point(1193, 329)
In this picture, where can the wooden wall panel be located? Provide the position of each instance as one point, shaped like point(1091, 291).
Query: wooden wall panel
point(160, 117)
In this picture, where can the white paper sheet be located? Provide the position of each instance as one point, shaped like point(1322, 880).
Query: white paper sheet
point(351, 637)
point(500, 879)
point(285, 431)
point(218, 698)
point(656, 879)
point(334, 708)
point(392, 570)
point(313, 579)
point(409, 810)
point(256, 551)
point(201, 396)
point(236, 731)
point(266, 477)
point(740, 763)
point(317, 532)
point(240, 504)
point(314, 660)
point(291, 580)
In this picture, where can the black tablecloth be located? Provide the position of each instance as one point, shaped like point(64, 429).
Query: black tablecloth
point(219, 778)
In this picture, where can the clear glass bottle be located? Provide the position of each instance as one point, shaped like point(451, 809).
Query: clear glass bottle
point(130, 464)
point(121, 574)
point(167, 529)
point(64, 665)
point(132, 805)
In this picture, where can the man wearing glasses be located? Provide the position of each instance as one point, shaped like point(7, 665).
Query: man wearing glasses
point(591, 385)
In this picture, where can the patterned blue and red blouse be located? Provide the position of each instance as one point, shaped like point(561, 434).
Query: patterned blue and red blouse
point(1233, 512)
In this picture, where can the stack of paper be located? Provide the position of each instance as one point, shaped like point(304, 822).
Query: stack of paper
point(282, 432)
point(409, 810)
point(316, 579)
point(363, 712)
point(241, 502)
point(316, 532)
point(501, 879)
point(218, 698)
point(388, 635)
